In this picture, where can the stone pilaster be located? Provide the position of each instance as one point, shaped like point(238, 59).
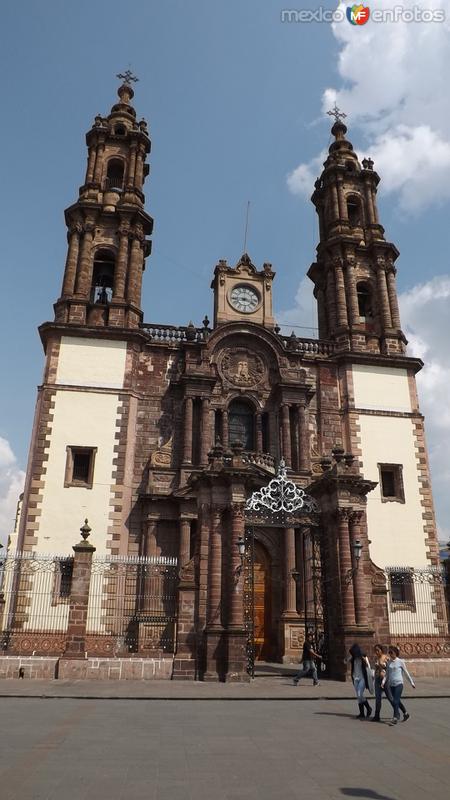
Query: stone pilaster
point(345, 566)
point(188, 423)
point(286, 434)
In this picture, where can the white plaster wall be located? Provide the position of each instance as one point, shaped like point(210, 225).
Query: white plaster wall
point(385, 388)
point(86, 419)
point(91, 362)
point(395, 529)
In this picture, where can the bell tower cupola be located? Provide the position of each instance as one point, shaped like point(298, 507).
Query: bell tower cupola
point(108, 226)
point(354, 274)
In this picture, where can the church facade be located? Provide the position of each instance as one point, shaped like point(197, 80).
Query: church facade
point(160, 434)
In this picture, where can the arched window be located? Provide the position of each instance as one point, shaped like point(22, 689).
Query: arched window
point(103, 276)
point(354, 212)
point(241, 424)
point(120, 130)
point(114, 174)
point(364, 300)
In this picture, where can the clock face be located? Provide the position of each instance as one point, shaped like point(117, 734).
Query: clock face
point(244, 299)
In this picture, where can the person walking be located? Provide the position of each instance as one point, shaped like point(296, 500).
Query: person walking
point(393, 681)
point(308, 661)
point(380, 666)
point(360, 668)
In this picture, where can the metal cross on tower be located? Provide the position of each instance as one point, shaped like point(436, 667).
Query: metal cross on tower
point(335, 112)
point(127, 77)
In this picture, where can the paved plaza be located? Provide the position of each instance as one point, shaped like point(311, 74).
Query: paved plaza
point(244, 745)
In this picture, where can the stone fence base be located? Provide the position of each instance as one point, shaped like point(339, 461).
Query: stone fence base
point(47, 668)
point(428, 667)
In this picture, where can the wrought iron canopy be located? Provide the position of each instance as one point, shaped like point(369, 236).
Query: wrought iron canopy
point(280, 500)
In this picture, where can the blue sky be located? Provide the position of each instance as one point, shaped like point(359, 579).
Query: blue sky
point(234, 99)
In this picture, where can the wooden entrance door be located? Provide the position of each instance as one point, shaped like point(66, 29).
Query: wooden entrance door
point(262, 609)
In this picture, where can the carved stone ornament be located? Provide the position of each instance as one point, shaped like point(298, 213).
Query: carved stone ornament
point(243, 369)
point(163, 456)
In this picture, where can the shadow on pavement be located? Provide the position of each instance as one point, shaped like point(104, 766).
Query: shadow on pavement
point(360, 792)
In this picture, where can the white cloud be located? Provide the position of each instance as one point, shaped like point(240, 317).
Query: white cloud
point(11, 485)
point(302, 317)
point(394, 90)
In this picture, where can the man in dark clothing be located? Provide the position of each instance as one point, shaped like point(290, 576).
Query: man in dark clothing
point(308, 662)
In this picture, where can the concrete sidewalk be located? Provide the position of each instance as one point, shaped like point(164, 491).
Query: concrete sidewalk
point(267, 687)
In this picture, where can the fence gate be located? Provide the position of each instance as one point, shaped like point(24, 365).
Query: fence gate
point(280, 504)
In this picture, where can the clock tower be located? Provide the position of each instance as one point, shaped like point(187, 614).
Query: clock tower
point(243, 293)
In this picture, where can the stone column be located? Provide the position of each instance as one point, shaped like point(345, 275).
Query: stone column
point(341, 200)
point(83, 281)
point(188, 422)
point(150, 552)
point(135, 271)
point(341, 302)
point(225, 429)
point(185, 541)
point(303, 439)
point(393, 300)
point(383, 297)
point(131, 165)
point(99, 162)
point(122, 264)
point(236, 614)
point(322, 314)
point(374, 205)
point(214, 605)
point(205, 442)
point(79, 598)
point(335, 201)
point(71, 261)
point(369, 202)
point(259, 436)
point(290, 599)
point(352, 294)
point(345, 566)
point(308, 577)
point(359, 582)
point(286, 434)
point(90, 165)
point(151, 545)
point(139, 172)
point(330, 292)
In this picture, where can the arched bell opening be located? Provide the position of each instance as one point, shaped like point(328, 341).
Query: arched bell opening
point(103, 277)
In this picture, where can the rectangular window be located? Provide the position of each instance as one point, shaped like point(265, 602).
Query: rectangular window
point(80, 466)
point(401, 586)
point(391, 483)
point(62, 583)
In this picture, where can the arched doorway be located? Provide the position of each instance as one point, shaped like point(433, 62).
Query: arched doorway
point(262, 604)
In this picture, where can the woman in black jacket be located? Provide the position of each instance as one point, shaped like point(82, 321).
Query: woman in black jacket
point(360, 677)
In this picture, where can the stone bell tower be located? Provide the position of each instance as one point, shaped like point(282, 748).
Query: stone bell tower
point(107, 226)
point(354, 275)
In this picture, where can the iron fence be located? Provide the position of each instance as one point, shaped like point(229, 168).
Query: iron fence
point(132, 605)
point(131, 608)
point(417, 602)
point(34, 600)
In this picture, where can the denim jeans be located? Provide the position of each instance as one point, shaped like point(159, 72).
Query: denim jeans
point(379, 695)
point(396, 692)
point(360, 687)
point(308, 668)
